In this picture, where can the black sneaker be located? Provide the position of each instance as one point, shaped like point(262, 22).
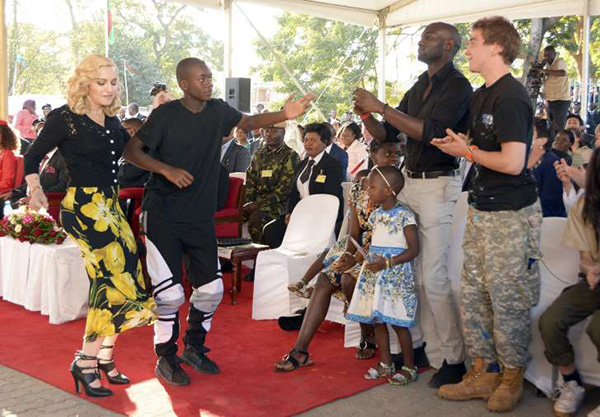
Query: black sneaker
point(420, 358)
point(199, 361)
point(448, 374)
point(169, 370)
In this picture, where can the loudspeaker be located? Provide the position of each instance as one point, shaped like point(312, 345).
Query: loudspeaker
point(237, 93)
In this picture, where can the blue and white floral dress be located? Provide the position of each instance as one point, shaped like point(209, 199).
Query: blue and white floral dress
point(390, 295)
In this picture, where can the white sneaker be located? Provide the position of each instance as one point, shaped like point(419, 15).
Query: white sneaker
point(595, 412)
point(568, 398)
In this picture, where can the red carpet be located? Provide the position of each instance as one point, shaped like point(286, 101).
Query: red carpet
point(246, 351)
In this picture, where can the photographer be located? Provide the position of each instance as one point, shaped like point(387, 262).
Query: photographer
point(556, 88)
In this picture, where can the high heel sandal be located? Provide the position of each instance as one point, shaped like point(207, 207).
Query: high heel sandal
point(108, 365)
point(87, 378)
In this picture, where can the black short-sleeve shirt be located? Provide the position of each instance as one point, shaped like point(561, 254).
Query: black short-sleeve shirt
point(191, 141)
point(91, 151)
point(446, 106)
point(501, 113)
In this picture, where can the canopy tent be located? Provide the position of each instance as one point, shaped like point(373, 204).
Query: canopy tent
point(417, 12)
point(381, 14)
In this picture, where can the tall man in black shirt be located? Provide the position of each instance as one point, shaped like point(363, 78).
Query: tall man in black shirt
point(184, 137)
point(501, 278)
point(439, 100)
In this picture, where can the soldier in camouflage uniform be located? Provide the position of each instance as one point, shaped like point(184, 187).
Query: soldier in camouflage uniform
point(501, 276)
point(269, 181)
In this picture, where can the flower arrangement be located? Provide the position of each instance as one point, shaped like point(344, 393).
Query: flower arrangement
point(27, 225)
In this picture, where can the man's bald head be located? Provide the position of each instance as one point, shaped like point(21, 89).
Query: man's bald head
point(449, 33)
point(183, 68)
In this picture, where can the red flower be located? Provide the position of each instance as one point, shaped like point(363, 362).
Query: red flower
point(37, 232)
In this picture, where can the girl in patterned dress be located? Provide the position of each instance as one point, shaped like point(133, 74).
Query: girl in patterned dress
point(385, 292)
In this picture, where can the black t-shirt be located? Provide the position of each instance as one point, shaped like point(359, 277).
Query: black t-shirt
point(446, 106)
point(191, 141)
point(501, 113)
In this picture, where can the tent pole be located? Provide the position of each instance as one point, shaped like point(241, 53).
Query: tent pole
point(382, 41)
point(3, 63)
point(227, 64)
point(281, 61)
point(585, 76)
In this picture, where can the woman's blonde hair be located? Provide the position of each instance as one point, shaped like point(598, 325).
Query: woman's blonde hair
point(85, 73)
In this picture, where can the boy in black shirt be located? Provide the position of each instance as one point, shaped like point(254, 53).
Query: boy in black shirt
point(501, 279)
point(179, 204)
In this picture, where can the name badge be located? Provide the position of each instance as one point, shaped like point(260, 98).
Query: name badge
point(267, 173)
point(321, 179)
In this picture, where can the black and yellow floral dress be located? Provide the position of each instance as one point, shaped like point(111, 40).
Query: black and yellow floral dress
point(91, 215)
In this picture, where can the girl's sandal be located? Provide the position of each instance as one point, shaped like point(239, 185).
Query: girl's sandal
point(376, 373)
point(402, 379)
point(365, 350)
point(289, 363)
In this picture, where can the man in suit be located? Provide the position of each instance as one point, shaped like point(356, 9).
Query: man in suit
point(234, 157)
point(338, 153)
point(54, 177)
point(318, 173)
point(133, 111)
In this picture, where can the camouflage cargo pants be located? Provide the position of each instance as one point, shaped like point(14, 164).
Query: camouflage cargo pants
point(500, 282)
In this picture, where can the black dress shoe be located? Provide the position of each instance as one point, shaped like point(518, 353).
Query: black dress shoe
point(169, 370)
point(291, 323)
point(419, 355)
point(250, 276)
point(199, 361)
point(448, 374)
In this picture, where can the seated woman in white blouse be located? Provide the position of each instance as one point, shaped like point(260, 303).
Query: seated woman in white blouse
point(318, 173)
point(358, 157)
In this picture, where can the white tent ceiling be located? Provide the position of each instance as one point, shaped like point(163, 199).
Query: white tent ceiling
point(416, 12)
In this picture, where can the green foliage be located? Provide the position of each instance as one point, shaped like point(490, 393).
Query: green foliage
point(313, 49)
point(152, 35)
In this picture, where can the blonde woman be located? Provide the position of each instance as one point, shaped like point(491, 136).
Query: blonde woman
point(90, 138)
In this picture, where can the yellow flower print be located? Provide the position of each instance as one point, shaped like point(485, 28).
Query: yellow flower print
point(140, 275)
point(127, 236)
point(125, 285)
point(90, 259)
point(99, 209)
point(68, 202)
point(99, 322)
point(115, 297)
point(113, 257)
point(135, 318)
point(90, 190)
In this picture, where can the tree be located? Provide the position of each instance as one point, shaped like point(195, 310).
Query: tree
point(326, 57)
point(154, 35)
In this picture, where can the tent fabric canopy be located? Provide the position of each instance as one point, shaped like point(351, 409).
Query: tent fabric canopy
point(417, 12)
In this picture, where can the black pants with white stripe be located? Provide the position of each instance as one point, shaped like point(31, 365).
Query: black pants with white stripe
point(168, 245)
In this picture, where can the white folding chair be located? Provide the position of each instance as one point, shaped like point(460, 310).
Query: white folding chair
point(309, 232)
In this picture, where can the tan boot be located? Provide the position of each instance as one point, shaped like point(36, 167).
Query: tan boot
point(509, 392)
point(477, 383)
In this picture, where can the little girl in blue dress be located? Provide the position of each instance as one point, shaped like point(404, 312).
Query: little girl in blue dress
point(385, 291)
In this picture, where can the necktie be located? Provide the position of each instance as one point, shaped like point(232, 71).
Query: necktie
point(306, 174)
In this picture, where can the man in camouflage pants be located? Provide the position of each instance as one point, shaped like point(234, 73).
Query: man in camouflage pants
point(269, 181)
point(501, 277)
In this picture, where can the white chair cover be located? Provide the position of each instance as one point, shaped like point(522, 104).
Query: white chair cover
point(308, 234)
point(559, 267)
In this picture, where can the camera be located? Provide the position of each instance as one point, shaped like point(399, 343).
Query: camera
point(535, 79)
point(157, 87)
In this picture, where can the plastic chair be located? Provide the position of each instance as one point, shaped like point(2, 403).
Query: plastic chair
point(309, 233)
point(228, 221)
